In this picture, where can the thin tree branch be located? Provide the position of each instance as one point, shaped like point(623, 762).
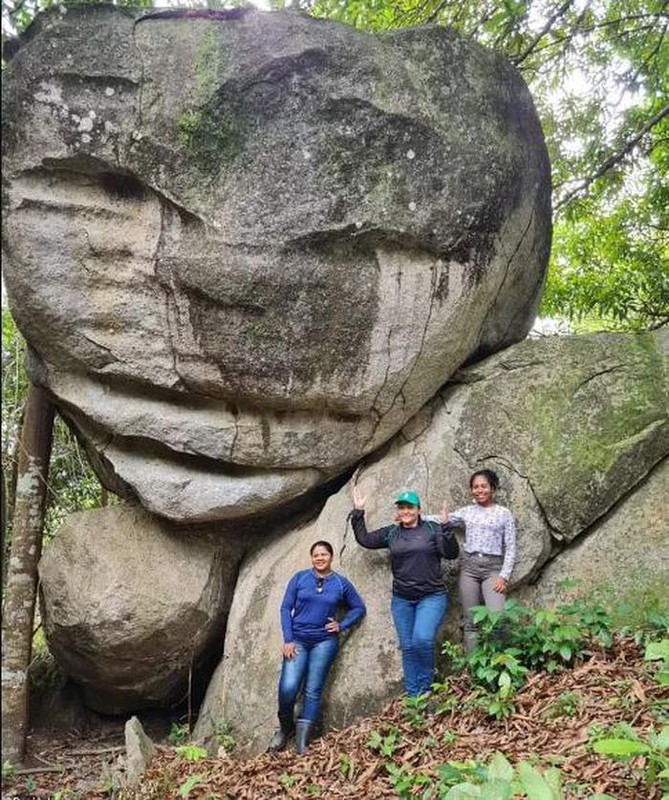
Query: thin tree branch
point(574, 33)
point(613, 159)
point(549, 24)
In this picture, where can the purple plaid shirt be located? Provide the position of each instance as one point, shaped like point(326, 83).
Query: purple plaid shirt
point(490, 530)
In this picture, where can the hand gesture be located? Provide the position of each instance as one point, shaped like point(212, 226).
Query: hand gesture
point(500, 585)
point(358, 499)
point(332, 626)
point(443, 514)
point(289, 651)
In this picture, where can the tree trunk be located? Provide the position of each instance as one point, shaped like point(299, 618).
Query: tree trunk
point(3, 514)
point(20, 591)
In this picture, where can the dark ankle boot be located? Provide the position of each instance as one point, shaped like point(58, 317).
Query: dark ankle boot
point(303, 734)
point(280, 738)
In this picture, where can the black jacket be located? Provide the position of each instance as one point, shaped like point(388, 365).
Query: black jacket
point(415, 553)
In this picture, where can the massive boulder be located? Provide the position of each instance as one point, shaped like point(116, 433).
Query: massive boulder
point(131, 606)
point(246, 248)
point(573, 425)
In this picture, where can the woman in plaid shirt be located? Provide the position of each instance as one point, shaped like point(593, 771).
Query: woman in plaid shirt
point(489, 549)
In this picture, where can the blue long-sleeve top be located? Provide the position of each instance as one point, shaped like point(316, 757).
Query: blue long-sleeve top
point(305, 610)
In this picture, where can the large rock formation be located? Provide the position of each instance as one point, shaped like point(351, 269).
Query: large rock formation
point(130, 605)
point(573, 425)
point(623, 559)
point(246, 248)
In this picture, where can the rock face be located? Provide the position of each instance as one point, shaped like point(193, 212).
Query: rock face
point(129, 604)
point(246, 248)
point(622, 559)
point(573, 425)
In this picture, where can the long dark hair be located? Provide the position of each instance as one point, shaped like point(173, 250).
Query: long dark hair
point(321, 543)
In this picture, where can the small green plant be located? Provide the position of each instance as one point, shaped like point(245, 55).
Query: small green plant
point(497, 671)
point(537, 786)
point(287, 780)
point(313, 790)
point(415, 710)
point(499, 705)
point(622, 730)
point(192, 752)
point(449, 737)
point(500, 781)
point(659, 651)
point(645, 622)
point(386, 745)
point(455, 657)
point(564, 705)
point(107, 784)
point(446, 700)
point(179, 733)
point(655, 752)
point(455, 772)
point(593, 619)
point(346, 766)
point(8, 770)
point(189, 784)
point(224, 736)
point(406, 784)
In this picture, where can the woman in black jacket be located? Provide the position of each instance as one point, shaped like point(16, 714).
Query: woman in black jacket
point(419, 599)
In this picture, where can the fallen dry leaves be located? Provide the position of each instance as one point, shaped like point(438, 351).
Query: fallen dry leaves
point(552, 725)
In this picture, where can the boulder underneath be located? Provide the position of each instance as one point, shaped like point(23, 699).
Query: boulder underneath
point(130, 604)
point(573, 425)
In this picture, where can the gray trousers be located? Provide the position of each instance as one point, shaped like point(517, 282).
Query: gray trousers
point(477, 575)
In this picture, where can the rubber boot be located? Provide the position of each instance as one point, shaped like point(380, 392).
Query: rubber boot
point(280, 738)
point(303, 735)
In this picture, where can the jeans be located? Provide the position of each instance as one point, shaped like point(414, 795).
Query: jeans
point(417, 623)
point(478, 572)
point(310, 667)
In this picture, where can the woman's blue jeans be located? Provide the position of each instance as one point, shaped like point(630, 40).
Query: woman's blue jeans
point(417, 623)
point(310, 667)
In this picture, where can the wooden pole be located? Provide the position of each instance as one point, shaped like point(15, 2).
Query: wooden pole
point(18, 609)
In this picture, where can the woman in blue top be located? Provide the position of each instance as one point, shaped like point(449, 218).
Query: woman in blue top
point(310, 630)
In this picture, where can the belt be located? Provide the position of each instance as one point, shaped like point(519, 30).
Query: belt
point(481, 555)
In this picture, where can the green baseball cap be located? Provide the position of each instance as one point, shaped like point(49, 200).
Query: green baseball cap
point(411, 498)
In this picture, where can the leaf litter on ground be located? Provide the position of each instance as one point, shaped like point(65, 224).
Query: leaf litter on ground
point(556, 717)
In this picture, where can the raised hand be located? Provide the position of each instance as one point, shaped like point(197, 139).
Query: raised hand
point(443, 514)
point(358, 498)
